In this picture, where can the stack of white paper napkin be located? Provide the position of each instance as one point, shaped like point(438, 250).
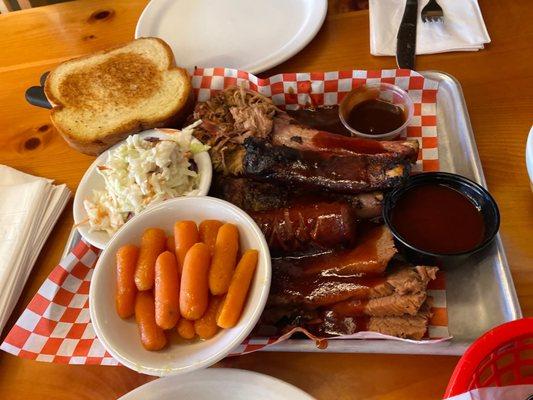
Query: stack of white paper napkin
point(29, 209)
point(463, 28)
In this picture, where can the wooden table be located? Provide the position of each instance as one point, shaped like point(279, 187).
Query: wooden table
point(498, 86)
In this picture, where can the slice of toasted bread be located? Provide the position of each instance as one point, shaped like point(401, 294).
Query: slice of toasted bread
point(101, 98)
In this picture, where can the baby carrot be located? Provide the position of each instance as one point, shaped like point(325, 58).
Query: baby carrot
point(185, 235)
point(194, 290)
point(186, 328)
point(152, 244)
point(231, 309)
point(206, 327)
point(208, 230)
point(126, 290)
point(224, 259)
point(152, 336)
point(170, 244)
point(166, 291)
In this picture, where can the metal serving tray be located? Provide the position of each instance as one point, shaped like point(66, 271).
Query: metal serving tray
point(480, 295)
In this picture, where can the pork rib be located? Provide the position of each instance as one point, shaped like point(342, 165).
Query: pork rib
point(288, 132)
point(237, 113)
point(256, 196)
point(321, 170)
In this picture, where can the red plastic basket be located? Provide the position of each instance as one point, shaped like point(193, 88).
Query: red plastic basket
point(501, 357)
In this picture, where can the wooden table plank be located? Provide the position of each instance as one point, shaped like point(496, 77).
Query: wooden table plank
point(497, 82)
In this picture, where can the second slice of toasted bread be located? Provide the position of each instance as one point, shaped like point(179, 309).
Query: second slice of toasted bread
point(100, 99)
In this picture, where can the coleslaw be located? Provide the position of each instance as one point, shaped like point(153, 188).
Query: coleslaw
point(141, 172)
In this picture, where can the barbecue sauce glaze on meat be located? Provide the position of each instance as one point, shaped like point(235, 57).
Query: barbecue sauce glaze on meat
point(319, 226)
point(438, 219)
point(326, 119)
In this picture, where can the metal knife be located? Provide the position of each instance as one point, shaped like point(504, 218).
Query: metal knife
point(406, 39)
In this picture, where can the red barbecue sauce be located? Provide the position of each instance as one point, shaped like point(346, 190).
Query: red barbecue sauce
point(365, 146)
point(376, 117)
point(326, 120)
point(438, 219)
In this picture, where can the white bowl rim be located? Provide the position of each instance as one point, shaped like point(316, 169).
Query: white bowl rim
point(258, 310)
point(203, 160)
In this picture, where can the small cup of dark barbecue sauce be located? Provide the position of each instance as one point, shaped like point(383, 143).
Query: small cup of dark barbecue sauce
point(441, 218)
point(379, 111)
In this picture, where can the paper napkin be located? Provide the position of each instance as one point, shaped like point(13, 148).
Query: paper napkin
point(29, 208)
point(463, 28)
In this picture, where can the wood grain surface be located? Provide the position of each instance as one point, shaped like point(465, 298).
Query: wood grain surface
point(498, 86)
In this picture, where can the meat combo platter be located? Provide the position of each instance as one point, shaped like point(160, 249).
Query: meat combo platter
point(467, 284)
point(362, 258)
point(333, 272)
point(291, 208)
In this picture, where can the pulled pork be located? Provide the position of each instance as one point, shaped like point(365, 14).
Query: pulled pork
point(228, 119)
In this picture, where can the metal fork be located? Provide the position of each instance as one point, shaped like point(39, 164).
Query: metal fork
point(432, 12)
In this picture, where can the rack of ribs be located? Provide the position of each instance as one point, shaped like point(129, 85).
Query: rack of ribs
point(348, 174)
point(277, 147)
point(253, 196)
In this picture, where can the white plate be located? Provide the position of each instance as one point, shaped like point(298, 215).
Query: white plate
point(121, 337)
point(92, 180)
point(249, 35)
point(529, 157)
point(220, 384)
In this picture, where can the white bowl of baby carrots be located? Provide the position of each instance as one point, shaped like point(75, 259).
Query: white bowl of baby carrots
point(207, 282)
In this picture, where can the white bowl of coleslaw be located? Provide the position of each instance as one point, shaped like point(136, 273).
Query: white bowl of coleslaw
point(143, 170)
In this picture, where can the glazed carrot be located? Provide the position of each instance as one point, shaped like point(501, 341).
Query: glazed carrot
point(224, 259)
point(208, 230)
point(185, 235)
point(167, 290)
point(194, 290)
point(170, 244)
point(126, 290)
point(206, 327)
point(152, 244)
point(231, 309)
point(152, 336)
point(186, 328)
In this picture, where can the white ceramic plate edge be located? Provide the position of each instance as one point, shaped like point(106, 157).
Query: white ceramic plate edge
point(318, 16)
point(529, 157)
point(171, 385)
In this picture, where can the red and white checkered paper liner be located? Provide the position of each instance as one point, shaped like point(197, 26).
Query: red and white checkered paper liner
point(56, 326)
point(297, 90)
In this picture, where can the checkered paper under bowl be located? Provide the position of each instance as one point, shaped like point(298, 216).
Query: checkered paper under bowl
point(56, 327)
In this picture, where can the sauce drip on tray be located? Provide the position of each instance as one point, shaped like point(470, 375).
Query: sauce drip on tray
point(438, 219)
